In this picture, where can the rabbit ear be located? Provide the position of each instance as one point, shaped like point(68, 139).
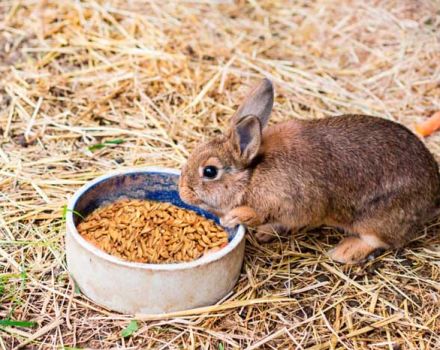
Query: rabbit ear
point(258, 102)
point(246, 137)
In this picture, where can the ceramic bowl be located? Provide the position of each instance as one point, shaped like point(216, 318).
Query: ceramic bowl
point(134, 288)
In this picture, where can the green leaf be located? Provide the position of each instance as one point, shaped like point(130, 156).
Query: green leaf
point(130, 329)
point(114, 142)
point(23, 275)
point(65, 211)
point(77, 213)
point(96, 147)
point(221, 346)
point(106, 143)
point(70, 348)
point(10, 323)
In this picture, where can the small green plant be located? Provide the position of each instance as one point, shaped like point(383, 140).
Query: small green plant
point(12, 294)
point(13, 323)
point(65, 210)
point(104, 144)
point(130, 329)
point(221, 346)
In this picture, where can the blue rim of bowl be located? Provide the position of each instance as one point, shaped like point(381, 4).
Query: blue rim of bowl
point(70, 226)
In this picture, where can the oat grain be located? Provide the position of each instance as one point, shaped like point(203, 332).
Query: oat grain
point(151, 232)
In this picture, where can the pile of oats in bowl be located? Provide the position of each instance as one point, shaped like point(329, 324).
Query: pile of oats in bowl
point(151, 232)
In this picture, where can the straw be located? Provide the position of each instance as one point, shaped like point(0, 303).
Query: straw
point(164, 75)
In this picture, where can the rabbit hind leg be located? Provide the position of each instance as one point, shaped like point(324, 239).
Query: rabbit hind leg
point(386, 226)
point(355, 249)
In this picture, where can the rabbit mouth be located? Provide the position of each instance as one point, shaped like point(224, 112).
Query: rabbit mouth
point(189, 197)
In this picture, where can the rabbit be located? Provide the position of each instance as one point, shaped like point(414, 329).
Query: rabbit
point(371, 177)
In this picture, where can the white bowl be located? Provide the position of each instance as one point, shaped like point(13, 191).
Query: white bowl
point(131, 287)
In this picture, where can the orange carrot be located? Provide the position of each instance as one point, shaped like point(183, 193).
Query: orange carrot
point(429, 126)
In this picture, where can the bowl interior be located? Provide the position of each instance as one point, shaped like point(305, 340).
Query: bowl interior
point(157, 186)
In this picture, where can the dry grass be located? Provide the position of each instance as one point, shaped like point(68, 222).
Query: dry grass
point(162, 76)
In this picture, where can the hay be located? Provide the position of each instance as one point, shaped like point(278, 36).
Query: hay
point(161, 76)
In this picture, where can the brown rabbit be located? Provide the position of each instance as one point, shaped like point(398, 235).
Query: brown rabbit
point(369, 176)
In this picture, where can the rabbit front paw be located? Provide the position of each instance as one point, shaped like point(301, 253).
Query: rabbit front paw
point(240, 216)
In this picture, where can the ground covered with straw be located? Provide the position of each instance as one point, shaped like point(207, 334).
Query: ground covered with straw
point(88, 86)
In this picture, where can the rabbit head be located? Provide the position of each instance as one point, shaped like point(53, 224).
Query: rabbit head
point(216, 175)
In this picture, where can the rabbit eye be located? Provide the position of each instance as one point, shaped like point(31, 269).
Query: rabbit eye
point(210, 172)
